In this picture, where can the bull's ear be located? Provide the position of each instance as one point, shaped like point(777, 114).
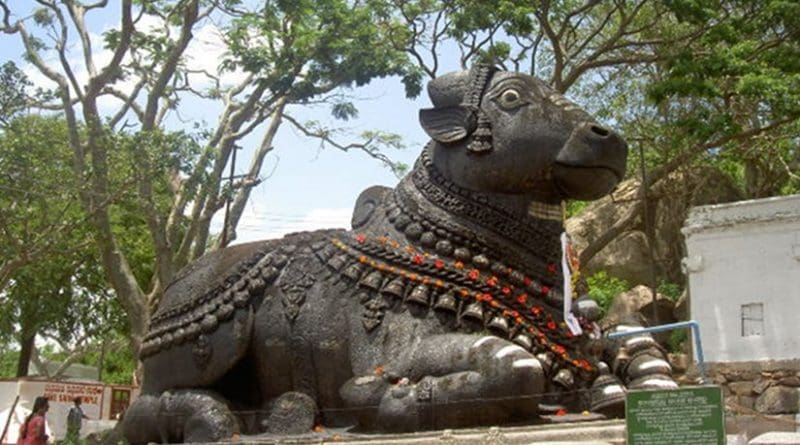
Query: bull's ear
point(448, 124)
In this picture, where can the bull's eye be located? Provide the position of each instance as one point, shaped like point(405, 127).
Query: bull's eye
point(509, 99)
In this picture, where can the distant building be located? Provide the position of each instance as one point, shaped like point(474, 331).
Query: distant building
point(75, 371)
point(101, 403)
point(743, 265)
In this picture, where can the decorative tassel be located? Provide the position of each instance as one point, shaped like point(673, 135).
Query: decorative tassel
point(569, 317)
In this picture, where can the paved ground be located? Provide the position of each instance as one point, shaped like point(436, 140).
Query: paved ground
point(603, 432)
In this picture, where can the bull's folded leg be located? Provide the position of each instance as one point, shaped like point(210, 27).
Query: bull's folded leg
point(638, 362)
point(140, 422)
point(194, 416)
point(290, 413)
point(179, 416)
point(452, 380)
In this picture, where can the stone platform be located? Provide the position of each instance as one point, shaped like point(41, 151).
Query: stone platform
point(602, 432)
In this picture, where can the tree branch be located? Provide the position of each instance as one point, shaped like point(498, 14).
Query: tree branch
point(626, 220)
point(111, 71)
point(190, 15)
point(252, 178)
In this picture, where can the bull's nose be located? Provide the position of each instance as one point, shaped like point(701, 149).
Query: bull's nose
point(599, 131)
point(592, 145)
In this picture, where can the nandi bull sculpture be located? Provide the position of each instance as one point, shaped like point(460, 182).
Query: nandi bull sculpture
point(443, 307)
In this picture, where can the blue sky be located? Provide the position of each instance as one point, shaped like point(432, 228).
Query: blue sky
point(309, 187)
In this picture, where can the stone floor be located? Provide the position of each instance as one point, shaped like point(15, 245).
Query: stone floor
point(602, 432)
point(565, 430)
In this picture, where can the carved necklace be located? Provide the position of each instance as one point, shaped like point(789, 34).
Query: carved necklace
point(507, 308)
point(449, 270)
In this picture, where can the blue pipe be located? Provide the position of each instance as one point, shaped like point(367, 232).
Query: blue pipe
point(698, 347)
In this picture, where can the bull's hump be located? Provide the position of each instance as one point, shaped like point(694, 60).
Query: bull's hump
point(210, 271)
point(208, 292)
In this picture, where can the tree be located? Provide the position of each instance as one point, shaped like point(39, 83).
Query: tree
point(54, 287)
point(689, 82)
point(289, 54)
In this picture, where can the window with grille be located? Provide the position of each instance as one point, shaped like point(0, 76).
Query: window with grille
point(752, 319)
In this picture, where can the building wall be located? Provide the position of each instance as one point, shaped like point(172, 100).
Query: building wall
point(743, 265)
point(96, 404)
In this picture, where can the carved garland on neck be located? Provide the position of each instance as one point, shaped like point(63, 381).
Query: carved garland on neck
point(509, 304)
point(536, 234)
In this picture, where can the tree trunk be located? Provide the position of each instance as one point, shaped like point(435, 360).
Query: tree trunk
point(27, 343)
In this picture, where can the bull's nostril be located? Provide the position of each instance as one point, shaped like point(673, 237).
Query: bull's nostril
point(599, 130)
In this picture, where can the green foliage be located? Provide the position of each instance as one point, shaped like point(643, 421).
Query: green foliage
point(576, 207)
point(331, 42)
point(8, 361)
point(59, 290)
point(670, 290)
point(604, 287)
point(677, 340)
point(14, 87)
point(344, 111)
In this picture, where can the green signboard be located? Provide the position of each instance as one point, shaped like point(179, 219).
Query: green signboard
point(684, 416)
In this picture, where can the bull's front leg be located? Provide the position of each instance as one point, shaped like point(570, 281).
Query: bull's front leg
point(635, 361)
point(449, 381)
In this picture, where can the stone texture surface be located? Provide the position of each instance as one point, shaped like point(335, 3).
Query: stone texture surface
point(681, 311)
point(291, 413)
point(753, 425)
point(639, 302)
point(584, 433)
point(746, 402)
point(777, 438)
point(628, 256)
point(778, 400)
point(742, 388)
point(791, 380)
point(745, 382)
point(762, 385)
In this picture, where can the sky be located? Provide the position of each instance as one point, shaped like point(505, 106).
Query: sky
point(307, 187)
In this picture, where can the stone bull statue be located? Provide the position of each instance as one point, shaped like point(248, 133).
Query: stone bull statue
point(443, 307)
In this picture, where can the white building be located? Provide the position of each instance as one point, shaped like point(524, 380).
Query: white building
point(101, 403)
point(743, 265)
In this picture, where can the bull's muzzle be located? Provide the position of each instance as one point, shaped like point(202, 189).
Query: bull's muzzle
point(591, 162)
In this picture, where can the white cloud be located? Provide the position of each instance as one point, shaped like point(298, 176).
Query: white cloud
point(205, 52)
point(265, 225)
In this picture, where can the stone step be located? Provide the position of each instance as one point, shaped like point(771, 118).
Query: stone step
point(777, 438)
point(603, 432)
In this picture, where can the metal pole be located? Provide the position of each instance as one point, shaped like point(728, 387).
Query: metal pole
point(649, 233)
point(8, 420)
point(228, 200)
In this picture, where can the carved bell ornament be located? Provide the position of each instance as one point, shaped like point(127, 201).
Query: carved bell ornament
point(499, 325)
point(565, 378)
point(395, 288)
point(446, 302)
point(473, 311)
point(419, 295)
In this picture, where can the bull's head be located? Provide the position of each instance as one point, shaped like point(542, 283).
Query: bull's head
point(506, 132)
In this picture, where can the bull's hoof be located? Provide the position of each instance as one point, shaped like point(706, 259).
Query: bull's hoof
point(399, 408)
point(608, 396)
point(191, 416)
point(291, 413)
